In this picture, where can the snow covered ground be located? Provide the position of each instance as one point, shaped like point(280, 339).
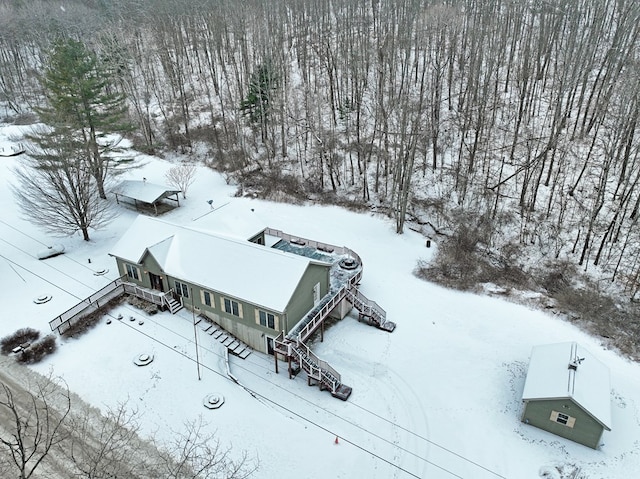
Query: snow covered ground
point(440, 397)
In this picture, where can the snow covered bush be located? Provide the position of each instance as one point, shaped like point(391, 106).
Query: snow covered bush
point(21, 336)
point(37, 351)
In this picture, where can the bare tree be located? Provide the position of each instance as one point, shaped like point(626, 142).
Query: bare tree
point(35, 424)
point(56, 190)
point(107, 447)
point(181, 177)
point(196, 454)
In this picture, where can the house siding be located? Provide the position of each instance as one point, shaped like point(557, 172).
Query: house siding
point(586, 430)
point(150, 265)
point(122, 269)
point(245, 328)
point(258, 238)
point(302, 299)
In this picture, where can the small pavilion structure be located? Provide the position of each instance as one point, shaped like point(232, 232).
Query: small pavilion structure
point(145, 195)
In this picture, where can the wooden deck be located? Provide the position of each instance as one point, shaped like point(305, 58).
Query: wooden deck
point(293, 348)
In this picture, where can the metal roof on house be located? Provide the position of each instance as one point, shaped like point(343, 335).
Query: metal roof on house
point(551, 377)
point(235, 267)
point(144, 191)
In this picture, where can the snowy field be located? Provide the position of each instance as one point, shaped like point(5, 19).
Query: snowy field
point(438, 398)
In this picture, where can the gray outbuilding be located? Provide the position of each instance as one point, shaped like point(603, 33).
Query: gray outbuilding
point(567, 392)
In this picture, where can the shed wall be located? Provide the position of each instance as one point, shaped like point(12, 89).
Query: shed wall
point(586, 430)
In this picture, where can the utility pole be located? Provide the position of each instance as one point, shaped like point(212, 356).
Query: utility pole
point(195, 333)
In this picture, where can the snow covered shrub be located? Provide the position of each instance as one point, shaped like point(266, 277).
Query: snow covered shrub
point(37, 351)
point(146, 306)
point(21, 336)
point(557, 277)
point(274, 184)
point(467, 258)
point(85, 323)
point(459, 262)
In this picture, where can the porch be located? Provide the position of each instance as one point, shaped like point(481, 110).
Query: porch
point(346, 274)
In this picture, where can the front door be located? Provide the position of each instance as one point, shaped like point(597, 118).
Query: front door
point(269, 345)
point(156, 282)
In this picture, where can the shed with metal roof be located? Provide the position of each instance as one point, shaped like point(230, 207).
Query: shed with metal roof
point(567, 392)
point(144, 194)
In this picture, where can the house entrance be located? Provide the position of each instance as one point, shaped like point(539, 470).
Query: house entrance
point(156, 282)
point(269, 345)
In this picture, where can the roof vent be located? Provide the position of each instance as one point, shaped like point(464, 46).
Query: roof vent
point(574, 363)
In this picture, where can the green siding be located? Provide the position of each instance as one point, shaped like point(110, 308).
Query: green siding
point(258, 238)
point(144, 278)
point(586, 431)
point(150, 265)
point(302, 300)
point(244, 328)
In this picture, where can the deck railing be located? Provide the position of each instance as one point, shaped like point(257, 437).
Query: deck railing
point(297, 240)
point(88, 305)
point(322, 364)
point(368, 306)
point(313, 321)
point(153, 296)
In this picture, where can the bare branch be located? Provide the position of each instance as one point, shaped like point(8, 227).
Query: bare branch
point(181, 177)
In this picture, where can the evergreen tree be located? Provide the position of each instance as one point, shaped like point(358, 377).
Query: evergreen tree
point(257, 103)
point(76, 87)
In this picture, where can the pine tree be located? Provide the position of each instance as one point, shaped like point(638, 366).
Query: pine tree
point(79, 99)
point(257, 103)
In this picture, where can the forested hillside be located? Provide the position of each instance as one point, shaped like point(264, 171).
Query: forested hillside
point(514, 122)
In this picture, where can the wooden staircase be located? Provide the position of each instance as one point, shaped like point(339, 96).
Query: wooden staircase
point(293, 347)
point(321, 372)
point(153, 296)
point(171, 303)
point(369, 310)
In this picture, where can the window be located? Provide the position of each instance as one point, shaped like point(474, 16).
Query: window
point(316, 294)
point(133, 272)
point(206, 298)
point(563, 419)
point(268, 320)
point(182, 289)
point(231, 307)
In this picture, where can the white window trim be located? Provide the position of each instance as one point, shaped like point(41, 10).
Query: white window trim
point(276, 319)
point(211, 298)
point(180, 293)
point(222, 307)
point(134, 268)
point(559, 417)
point(316, 294)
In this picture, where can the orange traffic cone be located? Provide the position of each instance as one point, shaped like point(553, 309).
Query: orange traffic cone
point(336, 441)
